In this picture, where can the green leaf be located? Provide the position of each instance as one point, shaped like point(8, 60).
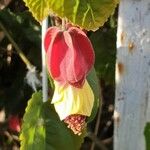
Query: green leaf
point(94, 83)
point(147, 135)
point(39, 8)
point(88, 14)
point(42, 129)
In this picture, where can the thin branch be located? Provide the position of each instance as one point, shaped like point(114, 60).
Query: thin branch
point(19, 51)
point(98, 117)
point(96, 141)
point(107, 141)
point(11, 137)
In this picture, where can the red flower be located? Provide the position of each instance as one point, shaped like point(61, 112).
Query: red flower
point(70, 55)
point(14, 123)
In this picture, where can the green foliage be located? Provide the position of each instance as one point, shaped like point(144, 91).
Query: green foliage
point(39, 8)
point(147, 135)
point(88, 14)
point(21, 26)
point(104, 43)
point(42, 129)
point(25, 31)
point(94, 84)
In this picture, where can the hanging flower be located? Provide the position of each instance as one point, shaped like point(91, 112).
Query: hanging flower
point(70, 55)
point(73, 105)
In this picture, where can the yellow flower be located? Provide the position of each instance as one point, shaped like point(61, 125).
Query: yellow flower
point(69, 100)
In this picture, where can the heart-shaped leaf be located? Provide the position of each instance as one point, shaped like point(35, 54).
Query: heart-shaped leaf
point(38, 8)
point(42, 129)
point(88, 14)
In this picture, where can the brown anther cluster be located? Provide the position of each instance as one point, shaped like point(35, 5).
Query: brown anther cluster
point(76, 123)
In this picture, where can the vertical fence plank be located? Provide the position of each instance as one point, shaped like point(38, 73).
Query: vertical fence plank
point(132, 101)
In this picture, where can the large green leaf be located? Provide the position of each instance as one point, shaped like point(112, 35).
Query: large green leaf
point(88, 14)
point(147, 135)
point(94, 83)
point(42, 129)
point(39, 8)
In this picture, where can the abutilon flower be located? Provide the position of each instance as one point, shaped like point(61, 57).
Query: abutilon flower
point(73, 104)
point(70, 55)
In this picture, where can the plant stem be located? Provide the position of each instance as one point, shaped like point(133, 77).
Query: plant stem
point(19, 51)
point(44, 69)
point(96, 141)
point(63, 24)
point(52, 20)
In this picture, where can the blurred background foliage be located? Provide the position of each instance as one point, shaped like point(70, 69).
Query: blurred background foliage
point(14, 90)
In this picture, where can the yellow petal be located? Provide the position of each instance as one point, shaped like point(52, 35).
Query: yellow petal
point(70, 100)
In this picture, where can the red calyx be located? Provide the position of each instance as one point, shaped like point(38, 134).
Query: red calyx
point(70, 55)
